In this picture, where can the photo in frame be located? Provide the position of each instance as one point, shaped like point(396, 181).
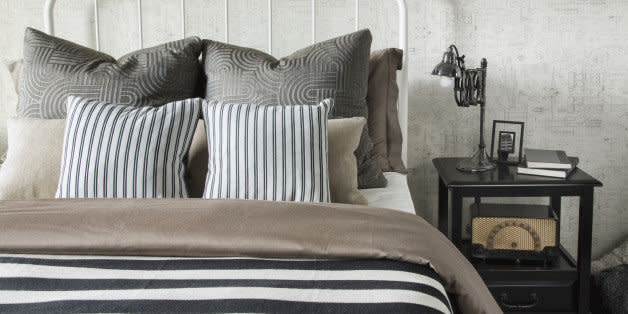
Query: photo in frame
point(507, 142)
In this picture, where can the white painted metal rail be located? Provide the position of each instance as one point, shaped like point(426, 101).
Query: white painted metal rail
point(402, 43)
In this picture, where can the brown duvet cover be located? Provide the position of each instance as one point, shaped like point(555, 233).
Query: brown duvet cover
point(221, 228)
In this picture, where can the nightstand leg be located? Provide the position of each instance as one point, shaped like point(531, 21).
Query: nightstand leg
point(443, 208)
point(555, 204)
point(585, 224)
point(456, 217)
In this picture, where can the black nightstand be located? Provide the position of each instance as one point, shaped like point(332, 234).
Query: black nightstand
point(561, 287)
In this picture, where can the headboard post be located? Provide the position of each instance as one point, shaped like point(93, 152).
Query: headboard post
point(402, 80)
point(48, 17)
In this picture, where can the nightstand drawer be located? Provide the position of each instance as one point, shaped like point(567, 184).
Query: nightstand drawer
point(535, 296)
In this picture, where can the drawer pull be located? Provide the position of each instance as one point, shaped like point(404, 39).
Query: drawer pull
point(511, 306)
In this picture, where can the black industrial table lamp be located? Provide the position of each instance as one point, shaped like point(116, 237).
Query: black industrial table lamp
point(469, 90)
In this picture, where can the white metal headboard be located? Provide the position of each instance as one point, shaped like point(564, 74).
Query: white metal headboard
point(402, 79)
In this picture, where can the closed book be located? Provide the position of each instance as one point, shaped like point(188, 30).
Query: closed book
point(556, 173)
point(547, 159)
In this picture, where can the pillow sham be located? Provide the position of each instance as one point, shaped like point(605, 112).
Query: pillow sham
point(55, 68)
point(197, 162)
point(276, 153)
point(381, 99)
point(8, 99)
point(343, 140)
point(31, 168)
point(336, 68)
point(114, 151)
point(343, 136)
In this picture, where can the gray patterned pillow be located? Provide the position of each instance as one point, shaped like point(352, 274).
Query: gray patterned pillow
point(336, 68)
point(55, 68)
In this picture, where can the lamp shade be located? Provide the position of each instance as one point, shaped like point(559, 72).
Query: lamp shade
point(448, 66)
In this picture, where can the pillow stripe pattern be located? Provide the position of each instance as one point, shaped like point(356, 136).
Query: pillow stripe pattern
point(114, 151)
point(260, 152)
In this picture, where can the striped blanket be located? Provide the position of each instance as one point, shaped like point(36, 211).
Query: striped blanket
point(64, 283)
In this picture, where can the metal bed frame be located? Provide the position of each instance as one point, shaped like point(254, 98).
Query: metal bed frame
point(402, 78)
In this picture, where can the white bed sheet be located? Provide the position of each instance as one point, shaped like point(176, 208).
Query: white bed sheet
point(396, 195)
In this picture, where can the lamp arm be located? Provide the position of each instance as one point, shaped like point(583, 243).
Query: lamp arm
point(459, 82)
point(460, 90)
point(482, 100)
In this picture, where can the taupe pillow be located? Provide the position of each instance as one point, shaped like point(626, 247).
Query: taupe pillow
point(55, 68)
point(343, 138)
point(198, 156)
point(33, 161)
point(336, 68)
point(383, 121)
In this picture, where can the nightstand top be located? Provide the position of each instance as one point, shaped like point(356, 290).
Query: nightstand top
point(504, 175)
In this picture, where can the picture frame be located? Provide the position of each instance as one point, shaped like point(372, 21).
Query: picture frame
point(507, 140)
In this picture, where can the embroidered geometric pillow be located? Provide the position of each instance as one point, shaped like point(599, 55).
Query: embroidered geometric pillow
point(276, 153)
point(55, 68)
point(114, 151)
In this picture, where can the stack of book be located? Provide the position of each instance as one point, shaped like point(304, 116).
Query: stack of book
point(548, 163)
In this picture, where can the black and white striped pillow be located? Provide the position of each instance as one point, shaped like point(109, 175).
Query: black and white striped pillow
point(113, 151)
point(274, 153)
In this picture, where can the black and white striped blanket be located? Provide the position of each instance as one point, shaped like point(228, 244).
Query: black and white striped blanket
point(55, 283)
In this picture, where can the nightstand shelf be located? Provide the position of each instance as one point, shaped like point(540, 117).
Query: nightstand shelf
point(534, 287)
point(560, 287)
point(564, 267)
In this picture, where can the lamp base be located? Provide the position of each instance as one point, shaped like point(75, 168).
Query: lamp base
point(479, 162)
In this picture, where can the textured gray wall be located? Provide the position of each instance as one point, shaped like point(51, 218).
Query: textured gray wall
point(558, 65)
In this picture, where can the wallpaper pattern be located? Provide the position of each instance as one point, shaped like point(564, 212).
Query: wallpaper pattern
point(557, 65)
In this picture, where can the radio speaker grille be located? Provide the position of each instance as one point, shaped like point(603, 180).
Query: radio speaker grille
point(509, 233)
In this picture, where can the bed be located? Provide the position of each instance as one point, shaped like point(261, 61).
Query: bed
point(243, 244)
point(396, 195)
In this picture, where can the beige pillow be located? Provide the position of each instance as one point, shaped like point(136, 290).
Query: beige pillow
point(343, 137)
point(198, 158)
point(9, 75)
point(32, 166)
point(343, 140)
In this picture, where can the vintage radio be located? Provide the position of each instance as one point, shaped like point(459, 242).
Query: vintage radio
point(515, 232)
